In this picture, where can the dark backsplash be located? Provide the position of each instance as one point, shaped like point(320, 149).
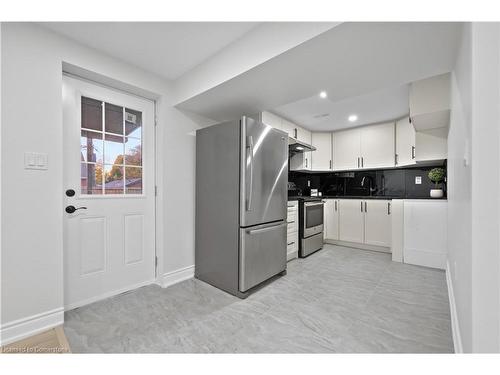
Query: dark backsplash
point(395, 183)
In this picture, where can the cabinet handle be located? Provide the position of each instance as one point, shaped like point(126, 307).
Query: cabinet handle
point(361, 206)
point(388, 208)
point(362, 162)
point(395, 159)
point(358, 162)
point(295, 132)
point(413, 152)
point(330, 164)
point(291, 243)
point(335, 205)
point(365, 207)
point(306, 162)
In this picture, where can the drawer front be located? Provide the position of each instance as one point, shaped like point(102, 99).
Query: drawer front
point(291, 228)
point(291, 218)
point(292, 247)
point(292, 238)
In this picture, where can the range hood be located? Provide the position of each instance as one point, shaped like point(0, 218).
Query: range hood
point(295, 146)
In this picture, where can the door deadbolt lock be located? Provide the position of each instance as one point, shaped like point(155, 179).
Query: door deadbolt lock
point(70, 193)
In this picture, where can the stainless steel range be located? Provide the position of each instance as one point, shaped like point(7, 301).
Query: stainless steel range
point(310, 225)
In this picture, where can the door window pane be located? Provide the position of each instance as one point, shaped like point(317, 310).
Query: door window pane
point(111, 158)
point(114, 118)
point(113, 179)
point(133, 123)
point(133, 151)
point(91, 114)
point(133, 180)
point(113, 149)
point(91, 146)
point(91, 178)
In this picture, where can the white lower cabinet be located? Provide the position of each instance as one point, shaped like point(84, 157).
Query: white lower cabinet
point(425, 232)
point(292, 239)
point(377, 222)
point(362, 221)
point(351, 220)
point(331, 220)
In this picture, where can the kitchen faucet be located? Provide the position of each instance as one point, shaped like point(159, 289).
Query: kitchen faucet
point(370, 184)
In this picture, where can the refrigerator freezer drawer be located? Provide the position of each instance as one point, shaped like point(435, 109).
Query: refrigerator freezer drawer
point(262, 253)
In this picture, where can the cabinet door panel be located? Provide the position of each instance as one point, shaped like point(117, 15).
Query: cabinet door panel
point(300, 161)
point(331, 219)
point(321, 159)
point(347, 149)
point(405, 142)
point(377, 222)
point(351, 220)
point(377, 146)
point(303, 135)
point(288, 127)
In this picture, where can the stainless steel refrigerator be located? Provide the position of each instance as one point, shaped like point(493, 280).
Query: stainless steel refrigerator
point(241, 204)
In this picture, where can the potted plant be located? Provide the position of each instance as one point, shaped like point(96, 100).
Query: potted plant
point(437, 176)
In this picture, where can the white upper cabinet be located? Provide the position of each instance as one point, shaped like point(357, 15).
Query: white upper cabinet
point(377, 146)
point(303, 135)
point(377, 222)
point(322, 158)
point(405, 142)
point(430, 102)
point(271, 119)
point(288, 127)
point(301, 161)
point(347, 149)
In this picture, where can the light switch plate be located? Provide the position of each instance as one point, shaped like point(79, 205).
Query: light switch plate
point(36, 160)
point(418, 180)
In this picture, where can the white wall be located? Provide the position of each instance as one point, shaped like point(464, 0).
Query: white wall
point(474, 189)
point(485, 187)
point(459, 189)
point(32, 201)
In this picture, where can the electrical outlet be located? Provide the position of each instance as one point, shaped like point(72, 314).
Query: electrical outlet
point(418, 180)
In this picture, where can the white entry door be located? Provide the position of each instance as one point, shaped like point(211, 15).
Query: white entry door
point(109, 240)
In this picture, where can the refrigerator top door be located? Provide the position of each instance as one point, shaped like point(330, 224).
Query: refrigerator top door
point(263, 174)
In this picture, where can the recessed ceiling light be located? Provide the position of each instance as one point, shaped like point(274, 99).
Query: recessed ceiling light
point(323, 94)
point(352, 118)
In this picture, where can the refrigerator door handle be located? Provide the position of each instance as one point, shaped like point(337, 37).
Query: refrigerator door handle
point(250, 161)
point(261, 230)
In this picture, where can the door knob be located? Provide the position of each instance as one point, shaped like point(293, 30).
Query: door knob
point(71, 209)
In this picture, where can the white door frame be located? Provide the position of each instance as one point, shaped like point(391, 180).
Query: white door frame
point(158, 173)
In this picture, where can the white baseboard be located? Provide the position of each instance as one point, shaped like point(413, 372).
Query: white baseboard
point(26, 327)
point(455, 328)
point(355, 245)
point(174, 277)
point(424, 258)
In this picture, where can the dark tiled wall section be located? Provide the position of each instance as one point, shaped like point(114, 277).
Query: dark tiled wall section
point(400, 182)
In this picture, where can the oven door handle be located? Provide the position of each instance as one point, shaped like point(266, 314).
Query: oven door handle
point(314, 204)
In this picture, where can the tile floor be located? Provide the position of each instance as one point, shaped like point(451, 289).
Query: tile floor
point(338, 300)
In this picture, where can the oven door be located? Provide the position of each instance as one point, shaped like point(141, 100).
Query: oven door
point(313, 218)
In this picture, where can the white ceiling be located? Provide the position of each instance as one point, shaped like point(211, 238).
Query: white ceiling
point(351, 60)
point(168, 49)
point(320, 114)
